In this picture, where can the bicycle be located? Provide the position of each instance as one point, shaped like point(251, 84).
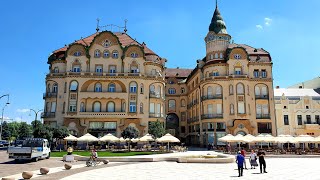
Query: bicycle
point(92, 161)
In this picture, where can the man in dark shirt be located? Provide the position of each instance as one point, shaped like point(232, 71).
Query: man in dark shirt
point(243, 153)
point(262, 162)
point(239, 161)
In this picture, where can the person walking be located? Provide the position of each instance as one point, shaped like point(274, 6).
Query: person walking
point(243, 153)
point(239, 161)
point(253, 159)
point(262, 161)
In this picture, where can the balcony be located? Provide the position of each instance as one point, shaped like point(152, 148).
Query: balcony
point(263, 116)
point(217, 96)
point(262, 97)
point(155, 95)
point(100, 95)
point(193, 119)
point(48, 115)
point(103, 114)
point(156, 115)
point(49, 95)
point(211, 116)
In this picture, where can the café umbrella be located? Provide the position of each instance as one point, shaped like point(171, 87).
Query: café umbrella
point(109, 138)
point(168, 138)
point(88, 138)
point(304, 139)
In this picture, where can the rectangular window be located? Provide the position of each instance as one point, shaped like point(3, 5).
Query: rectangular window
point(76, 69)
point(264, 128)
point(158, 109)
point(112, 69)
point(183, 129)
point(73, 96)
point(241, 109)
point(210, 109)
point(221, 127)
point(133, 107)
point(286, 119)
point(264, 73)
point(256, 73)
point(72, 107)
point(98, 69)
point(317, 119)
point(133, 89)
point(53, 107)
point(151, 109)
point(299, 119)
point(219, 108)
point(215, 73)
point(308, 119)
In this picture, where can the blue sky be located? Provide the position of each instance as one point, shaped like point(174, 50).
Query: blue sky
point(31, 30)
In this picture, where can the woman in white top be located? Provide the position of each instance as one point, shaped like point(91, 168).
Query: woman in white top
point(253, 159)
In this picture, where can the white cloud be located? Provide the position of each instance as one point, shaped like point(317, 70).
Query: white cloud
point(5, 118)
point(23, 110)
point(259, 26)
point(267, 21)
point(17, 119)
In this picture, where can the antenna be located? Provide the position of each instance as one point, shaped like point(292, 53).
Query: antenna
point(125, 26)
point(98, 20)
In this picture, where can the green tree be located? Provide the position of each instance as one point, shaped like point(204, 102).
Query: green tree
point(36, 123)
point(156, 129)
point(43, 131)
point(6, 133)
point(24, 130)
point(60, 132)
point(130, 132)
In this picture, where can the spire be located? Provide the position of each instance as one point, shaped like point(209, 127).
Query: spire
point(217, 24)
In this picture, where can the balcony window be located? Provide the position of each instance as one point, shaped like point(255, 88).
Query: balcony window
point(151, 108)
point(218, 91)
point(76, 68)
point(82, 108)
point(112, 88)
point(112, 69)
point(72, 107)
point(111, 107)
point(53, 107)
point(308, 119)
point(132, 107)
point(115, 54)
point(55, 88)
point(98, 87)
point(98, 69)
point(221, 127)
point(240, 88)
point(210, 91)
point(286, 119)
point(317, 119)
point(97, 107)
point(74, 86)
point(216, 73)
point(237, 71)
point(221, 55)
point(133, 87)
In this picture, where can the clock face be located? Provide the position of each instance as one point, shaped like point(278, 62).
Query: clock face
point(237, 56)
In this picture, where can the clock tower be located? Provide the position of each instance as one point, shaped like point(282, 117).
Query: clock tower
point(217, 39)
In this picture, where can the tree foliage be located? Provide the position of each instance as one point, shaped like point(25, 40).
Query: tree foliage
point(130, 132)
point(24, 130)
point(156, 129)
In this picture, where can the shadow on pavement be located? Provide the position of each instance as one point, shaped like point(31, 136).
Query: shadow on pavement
point(16, 162)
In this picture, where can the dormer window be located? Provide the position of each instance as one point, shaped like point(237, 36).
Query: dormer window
point(237, 71)
point(106, 43)
point(77, 53)
point(237, 56)
point(134, 55)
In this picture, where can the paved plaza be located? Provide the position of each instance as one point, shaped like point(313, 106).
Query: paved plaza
point(277, 168)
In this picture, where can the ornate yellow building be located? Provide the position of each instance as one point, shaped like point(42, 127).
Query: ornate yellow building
point(108, 81)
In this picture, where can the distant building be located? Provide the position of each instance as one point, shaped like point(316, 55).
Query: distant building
point(108, 81)
point(297, 111)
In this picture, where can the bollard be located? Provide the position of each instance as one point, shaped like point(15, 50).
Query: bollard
point(27, 174)
point(68, 166)
point(44, 170)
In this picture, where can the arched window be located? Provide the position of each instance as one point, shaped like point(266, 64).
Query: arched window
point(111, 87)
point(216, 56)
point(257, 91)
point(231, 89)
point(240, 88)
point(115, 54)
point(106, 54)
point(76, 68)
point(97, 53)
point(133, 87)
point(74, 86)
point(152, 89)
point(218, 90)
point(82, 108)
point(210, 91)
point(211, 56)
point(221, 56)
point(56, 70)
point(172, 91)
point(77, 53)
point(96, 107)
point(183, 103)
point(55, 88)
point(124, 107)
point(264, 91)
point(134, 67)
point(231, 109)
point(98, 87)
point(172, 105)
point(182, 90)
point(141, 107)
point(134, 55)
point(141, 88)
point(110, 107)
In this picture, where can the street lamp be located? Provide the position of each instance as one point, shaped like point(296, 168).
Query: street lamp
point(36, 115)
point(2, 113)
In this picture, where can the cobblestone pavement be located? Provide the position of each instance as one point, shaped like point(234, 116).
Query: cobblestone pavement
point(10, 167)
point(277, 168)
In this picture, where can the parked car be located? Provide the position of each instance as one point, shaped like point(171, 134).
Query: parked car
point(4, 143)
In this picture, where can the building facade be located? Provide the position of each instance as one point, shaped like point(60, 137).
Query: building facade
point(108, 81)
point(297, 111)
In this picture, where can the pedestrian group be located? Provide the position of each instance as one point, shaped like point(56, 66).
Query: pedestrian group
point(241, 161)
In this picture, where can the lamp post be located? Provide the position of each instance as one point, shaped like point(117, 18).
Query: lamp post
point(35, 117)
point(2, 113)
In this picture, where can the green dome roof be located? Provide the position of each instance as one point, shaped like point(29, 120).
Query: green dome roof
point(217, 24)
